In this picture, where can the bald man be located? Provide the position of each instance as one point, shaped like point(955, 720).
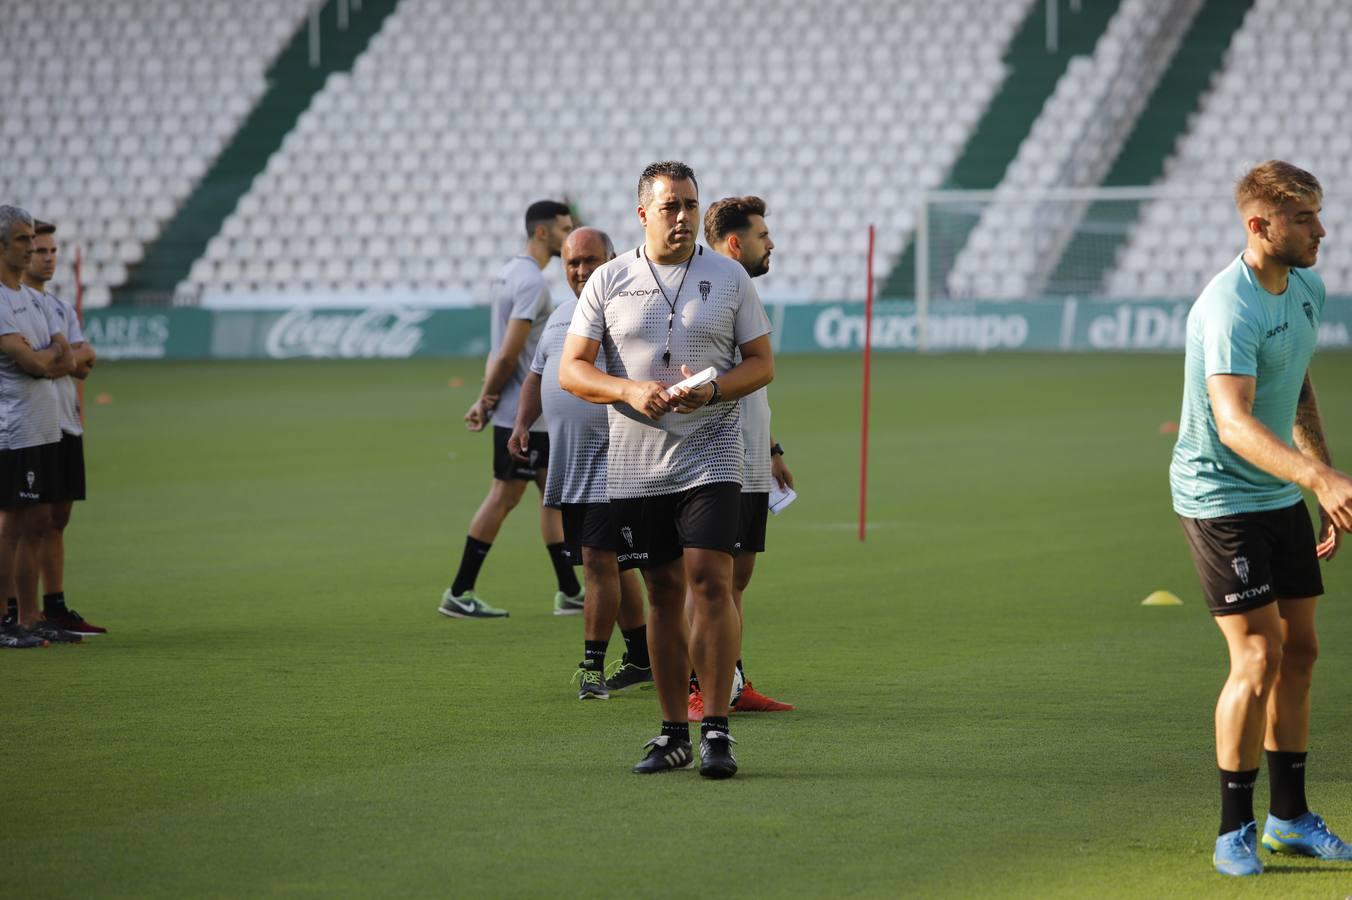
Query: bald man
point(579, 439)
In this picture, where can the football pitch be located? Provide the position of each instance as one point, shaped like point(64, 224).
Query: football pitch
point(984, 707)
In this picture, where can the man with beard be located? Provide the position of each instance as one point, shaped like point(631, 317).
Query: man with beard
point(736, 228)
point(1249, 438)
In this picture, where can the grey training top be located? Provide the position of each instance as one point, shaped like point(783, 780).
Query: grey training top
point(717, 310)
point(519, 292)
point(69, 396)
point(579, 432)
point(756, 436)
point(30, 410)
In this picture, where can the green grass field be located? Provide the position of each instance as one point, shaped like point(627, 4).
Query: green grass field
point(984, 707)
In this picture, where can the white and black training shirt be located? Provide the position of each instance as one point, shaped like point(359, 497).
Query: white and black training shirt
point(579, 432)
point(69, 325)
point(30, 410)
point(717, 310)
point(757, 478)
point(519, 292)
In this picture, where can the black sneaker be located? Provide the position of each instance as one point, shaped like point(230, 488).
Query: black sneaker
point(68, 619)
point(624, 675)
point(49, 632)
point(715, 755)
point(590, 684)
point(665, 754)
point(14, 636)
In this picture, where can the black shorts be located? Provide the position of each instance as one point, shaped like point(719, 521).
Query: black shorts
point(595, 525)
point(1249, 560)
point(751, 527)
point(71, 450)
point(659, 529)
point(30, 476)
point(507, 467)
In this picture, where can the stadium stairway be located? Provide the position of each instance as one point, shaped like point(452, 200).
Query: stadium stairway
point(1031, 79)
point(1164, 119)
point(292, 82)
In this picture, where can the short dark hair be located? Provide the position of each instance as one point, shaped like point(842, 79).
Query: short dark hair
point(676, 171)
point(41, 227)
point(544, 212)
point(731, 215)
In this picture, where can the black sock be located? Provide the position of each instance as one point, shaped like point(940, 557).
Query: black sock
point(1286, 771)
point(563, 569)
point(636, 646)
point(54, 602)
point(12, 610)
point(594, 655)
point(1236, 799)
point(713, 723)
point(740, 670)
point(470, 563)
point(678, 730)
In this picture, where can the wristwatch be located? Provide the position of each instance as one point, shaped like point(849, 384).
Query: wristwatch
point(776, 449)
point(716, 395)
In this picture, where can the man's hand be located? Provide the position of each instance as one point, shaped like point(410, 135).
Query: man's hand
point(687, 400)
point(477, 416)
point(1334, 492)
point(1330, 537)
point(783, 477)
point(649, 398)
point(519, 444)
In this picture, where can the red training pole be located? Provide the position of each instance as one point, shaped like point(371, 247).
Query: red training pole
point(868, 367)
point(79, 315)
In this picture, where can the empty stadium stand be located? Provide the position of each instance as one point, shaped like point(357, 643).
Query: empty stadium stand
point(410, 174)
point(121, 106)
point(1016, 245)
point(1281, 93)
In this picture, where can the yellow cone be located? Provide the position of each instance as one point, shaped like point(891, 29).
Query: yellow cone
point(1162, 598)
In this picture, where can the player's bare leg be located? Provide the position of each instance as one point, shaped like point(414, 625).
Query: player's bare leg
point(1254, 639)
point(1288, 707)
point(602, 577)
point(1291, 827)
point(34, 525)
point(716, 634)
point(668, 638)
point(631, 614)
point(503, 497)
point(52, 560)
point(743, 565)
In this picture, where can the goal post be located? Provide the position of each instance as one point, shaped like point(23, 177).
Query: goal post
point(1007, 244)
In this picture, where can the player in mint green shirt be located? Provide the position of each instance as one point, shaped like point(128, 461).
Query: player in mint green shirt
point(1250, 437)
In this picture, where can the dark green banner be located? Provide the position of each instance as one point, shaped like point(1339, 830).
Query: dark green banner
point(406, 332)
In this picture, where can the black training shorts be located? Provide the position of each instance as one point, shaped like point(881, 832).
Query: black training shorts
point(507, 467)
point(751, 528)
point(660, 528)
point(30, 475)
point(1251, 559)
point(595, 526)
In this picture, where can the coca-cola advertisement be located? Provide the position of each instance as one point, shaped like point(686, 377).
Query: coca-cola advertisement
point(368, 334)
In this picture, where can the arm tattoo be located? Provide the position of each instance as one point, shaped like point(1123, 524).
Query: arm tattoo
point(1308, 432)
